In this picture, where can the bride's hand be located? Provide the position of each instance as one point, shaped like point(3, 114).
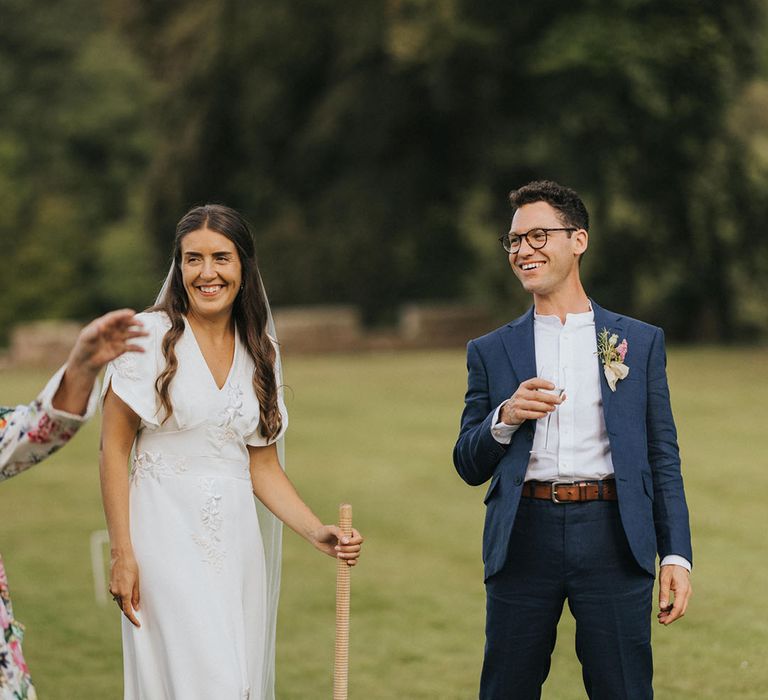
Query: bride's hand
point(331, 540)
point(124, 585)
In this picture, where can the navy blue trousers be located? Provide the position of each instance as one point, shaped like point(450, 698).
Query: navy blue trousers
point(576, 552)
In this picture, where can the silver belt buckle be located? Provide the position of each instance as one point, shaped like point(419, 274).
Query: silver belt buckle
point(554, 486)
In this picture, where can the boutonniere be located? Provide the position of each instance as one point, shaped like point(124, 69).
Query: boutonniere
point(612, 356)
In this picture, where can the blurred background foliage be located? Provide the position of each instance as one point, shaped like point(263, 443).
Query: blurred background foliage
point(372, 145)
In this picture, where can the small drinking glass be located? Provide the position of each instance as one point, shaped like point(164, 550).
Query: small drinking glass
point(550, 375)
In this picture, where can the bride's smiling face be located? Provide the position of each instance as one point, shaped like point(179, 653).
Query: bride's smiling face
point(211, 271)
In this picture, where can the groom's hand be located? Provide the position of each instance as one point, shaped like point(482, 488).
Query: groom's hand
point(677, 580)
point(529, 402)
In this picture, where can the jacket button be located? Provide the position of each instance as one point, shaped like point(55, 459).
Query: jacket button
point(518, 480)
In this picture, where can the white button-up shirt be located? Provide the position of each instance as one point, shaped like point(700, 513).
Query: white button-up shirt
point(577, 446)
point(577, 440)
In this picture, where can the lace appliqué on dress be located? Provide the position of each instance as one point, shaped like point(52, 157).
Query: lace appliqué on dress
point(153, 465)
point(212, 519)
point(224, 430)
point(125, 366)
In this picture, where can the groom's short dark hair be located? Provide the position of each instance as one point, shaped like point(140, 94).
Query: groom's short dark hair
point(566, 201)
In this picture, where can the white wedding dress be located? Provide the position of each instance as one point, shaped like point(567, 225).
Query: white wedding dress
point(207, 623)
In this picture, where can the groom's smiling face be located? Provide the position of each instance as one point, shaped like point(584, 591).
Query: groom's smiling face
point(547, 270)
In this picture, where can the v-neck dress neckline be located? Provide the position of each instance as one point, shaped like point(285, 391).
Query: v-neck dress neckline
point(201, 355)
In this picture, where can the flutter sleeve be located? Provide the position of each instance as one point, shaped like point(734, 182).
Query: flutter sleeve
point(257, 439)
point(132, 376)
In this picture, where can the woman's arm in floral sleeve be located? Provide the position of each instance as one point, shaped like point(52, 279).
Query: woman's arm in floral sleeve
point(28, 434)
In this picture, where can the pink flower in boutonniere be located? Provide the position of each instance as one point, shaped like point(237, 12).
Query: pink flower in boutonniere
point(612, 357)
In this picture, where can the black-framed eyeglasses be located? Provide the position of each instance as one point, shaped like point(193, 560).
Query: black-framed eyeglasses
point(536, 238)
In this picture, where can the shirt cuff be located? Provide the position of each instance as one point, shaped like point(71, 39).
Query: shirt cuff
point(47, 394)
point(675, 559)
point(502, 432)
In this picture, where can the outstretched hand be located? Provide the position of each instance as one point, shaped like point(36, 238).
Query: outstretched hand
point(331, 540)
point(101, 341)
point(104, 339)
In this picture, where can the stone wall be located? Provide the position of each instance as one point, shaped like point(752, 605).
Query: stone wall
point(339, 328)
point(443, 325)
point(303, 330)
point(319, 328)
point(42, 343)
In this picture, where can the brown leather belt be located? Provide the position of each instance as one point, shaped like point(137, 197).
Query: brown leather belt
point(571, 491)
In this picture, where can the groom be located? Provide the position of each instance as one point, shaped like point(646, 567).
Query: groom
point(585, 485)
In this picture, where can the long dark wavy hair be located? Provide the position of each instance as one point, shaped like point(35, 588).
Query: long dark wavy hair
point(249, 311)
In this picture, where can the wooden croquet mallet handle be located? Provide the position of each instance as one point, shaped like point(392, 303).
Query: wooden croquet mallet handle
point(341, 659)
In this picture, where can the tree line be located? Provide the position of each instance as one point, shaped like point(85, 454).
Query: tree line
point(372, 145)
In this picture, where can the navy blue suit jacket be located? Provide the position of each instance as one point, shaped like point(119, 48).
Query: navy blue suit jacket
point(641, 432)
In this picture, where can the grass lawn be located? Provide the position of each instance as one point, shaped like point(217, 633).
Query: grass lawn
point(377, 431)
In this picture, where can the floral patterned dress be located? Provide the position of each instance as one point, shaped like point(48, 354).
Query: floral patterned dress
point(194, 528)
point(28, 434)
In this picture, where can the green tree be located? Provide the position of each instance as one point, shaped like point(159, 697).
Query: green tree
point(629, 104)
point(305, 116)
point(71, 147)
point(372, 144)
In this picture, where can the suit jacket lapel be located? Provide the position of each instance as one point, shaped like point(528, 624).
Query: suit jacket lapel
point(519, 345)
point(613, 323)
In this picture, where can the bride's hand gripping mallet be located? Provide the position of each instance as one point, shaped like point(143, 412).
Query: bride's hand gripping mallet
point(341, 658)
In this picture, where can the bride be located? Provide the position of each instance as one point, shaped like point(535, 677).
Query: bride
point(195, 558)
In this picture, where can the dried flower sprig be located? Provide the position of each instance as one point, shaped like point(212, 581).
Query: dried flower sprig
point(612, 356)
